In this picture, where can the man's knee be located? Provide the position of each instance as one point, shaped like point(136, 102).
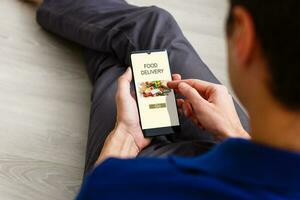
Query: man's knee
point(160, 16)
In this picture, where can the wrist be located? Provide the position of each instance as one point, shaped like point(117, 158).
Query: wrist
point(121, 135)
point(238, 132)
point(231, 132)
point(135, 132)
point(119, 144)
point(244, 134)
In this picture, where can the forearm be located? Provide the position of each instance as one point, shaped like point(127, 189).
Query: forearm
point(118, 144)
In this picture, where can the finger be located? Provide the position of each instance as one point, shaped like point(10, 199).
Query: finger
point(186, 109)
point(199, 85)
point(180, 102)
point(174, 84)
point(124, 84)
point(176, 77)
point(128, 74)
point(190, 93)
point(133, 94)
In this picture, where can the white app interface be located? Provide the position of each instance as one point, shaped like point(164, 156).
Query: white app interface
point(157, 103)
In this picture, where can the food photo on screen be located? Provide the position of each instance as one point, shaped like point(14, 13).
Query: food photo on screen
point(154, 89)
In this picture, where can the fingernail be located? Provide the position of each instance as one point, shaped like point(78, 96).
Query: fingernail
point(128, 69)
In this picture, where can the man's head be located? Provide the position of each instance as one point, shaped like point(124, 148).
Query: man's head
point(264, 44)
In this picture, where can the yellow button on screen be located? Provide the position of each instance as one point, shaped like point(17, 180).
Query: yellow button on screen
point(157, 106)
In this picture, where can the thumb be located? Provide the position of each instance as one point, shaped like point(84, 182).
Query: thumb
point(128, 74)
point(124, 84)
point(191, 94)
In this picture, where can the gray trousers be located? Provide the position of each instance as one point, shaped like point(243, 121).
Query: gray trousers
point(109, 30)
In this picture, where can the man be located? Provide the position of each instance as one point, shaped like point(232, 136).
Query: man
point(263, 42)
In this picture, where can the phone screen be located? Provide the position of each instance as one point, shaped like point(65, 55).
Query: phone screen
point(156, 102)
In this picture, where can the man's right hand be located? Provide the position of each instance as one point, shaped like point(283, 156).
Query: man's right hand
point(210, 106)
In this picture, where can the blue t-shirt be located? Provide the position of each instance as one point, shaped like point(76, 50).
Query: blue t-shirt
point(234, 169)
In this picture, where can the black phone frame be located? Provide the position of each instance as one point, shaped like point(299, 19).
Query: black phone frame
point(148, 133)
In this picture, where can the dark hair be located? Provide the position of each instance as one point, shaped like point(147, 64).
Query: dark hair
point(277, 24)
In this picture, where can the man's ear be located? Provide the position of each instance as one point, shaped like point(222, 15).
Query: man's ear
point(243, 35)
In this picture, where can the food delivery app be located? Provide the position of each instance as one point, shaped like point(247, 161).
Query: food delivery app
point(156, 102)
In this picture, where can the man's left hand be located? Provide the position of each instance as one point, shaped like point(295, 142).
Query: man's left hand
point(126, 140)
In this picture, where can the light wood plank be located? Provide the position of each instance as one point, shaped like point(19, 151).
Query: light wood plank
point(27, 179)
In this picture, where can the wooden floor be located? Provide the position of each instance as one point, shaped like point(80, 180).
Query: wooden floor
point(45, 96)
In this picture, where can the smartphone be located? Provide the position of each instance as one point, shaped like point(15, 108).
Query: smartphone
point(156, 102)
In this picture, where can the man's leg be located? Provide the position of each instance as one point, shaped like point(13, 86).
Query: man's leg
point(114, 28)
point(117, 28)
